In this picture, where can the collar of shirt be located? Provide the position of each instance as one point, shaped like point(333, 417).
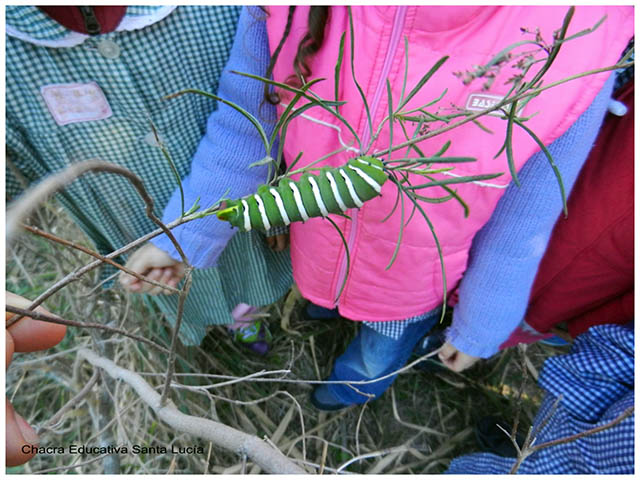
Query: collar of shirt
point(30, 24)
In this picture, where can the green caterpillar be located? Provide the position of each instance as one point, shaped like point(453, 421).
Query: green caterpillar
point(332, 190)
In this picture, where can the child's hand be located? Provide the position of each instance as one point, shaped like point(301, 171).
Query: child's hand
point(27, 335)
point(155, 264)
point(455, 359)
point(278, 243)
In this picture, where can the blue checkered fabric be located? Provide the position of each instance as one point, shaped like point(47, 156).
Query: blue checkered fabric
point(394, 328)
point(595, 384)
point(187, 48)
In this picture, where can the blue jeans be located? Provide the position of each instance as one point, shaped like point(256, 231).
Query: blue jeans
point(371, 355)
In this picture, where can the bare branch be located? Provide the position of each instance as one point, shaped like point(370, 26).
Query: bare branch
point(88, 251)
point(498, 106)
point(530, 449)
point(75, 275)
point(174, 338)
point(73, 465)
point(219, 434)
point(552, 443)
point(74, 402)
point(61, 321)
point(32, 197)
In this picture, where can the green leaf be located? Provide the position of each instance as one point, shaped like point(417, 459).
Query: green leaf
point(390, 104)
point(422, 81)
point(435, 238)
point(287, 110)
point(395, 205)
point(400, 233)
point(455, 180)
point(266, 160)
point(194, 208)
point(585, 31)
point(444, 148)
point(406, 69)
point(353, 74)
point(436, 159)
point(509, 143)
point(556, 48)
point(446, 198)
point(238, 108)
point(339, 66)
point(172, 164)
point(283, 133)
point(295, 161)
point(551, 162)
point(346, 249)
point(324, 104)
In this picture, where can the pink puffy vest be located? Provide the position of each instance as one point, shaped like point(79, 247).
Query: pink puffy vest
point(470, 35)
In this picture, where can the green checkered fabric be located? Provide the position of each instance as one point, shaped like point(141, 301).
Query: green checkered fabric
point(186, 49)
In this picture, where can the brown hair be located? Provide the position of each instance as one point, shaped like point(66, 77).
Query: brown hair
point(310, 44)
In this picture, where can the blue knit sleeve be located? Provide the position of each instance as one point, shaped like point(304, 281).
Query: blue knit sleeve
point(506, 252)
point(230, 144)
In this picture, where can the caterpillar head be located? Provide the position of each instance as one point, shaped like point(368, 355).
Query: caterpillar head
point(232, 213)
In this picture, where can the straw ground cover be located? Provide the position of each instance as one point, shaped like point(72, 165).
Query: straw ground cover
point(418, 426)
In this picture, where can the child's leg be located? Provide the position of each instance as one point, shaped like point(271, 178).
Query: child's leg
point(372, 355)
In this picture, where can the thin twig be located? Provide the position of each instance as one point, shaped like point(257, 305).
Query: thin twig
point(67, 467)
point(221, 435)
point(88, 251)
point(77, 274)
point(530, 449)
point(61, 321)
point(31, 198)
point(73, 403)
point(379, 453)
point(174, 338)
point(498, 106)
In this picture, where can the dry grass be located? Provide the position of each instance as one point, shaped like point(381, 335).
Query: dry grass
point(418, 426)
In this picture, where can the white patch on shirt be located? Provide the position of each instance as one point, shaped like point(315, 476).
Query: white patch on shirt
point(76, 102)
point(538, 246)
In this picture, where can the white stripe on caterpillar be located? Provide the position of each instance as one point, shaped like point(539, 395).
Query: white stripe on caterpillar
point(318, 197)
point(280, 204)
point(336, 192)
point(245, 213)
point(298, 199)
point(263, 212)
point(352, 190)
point(364, 162)
point(363, 175)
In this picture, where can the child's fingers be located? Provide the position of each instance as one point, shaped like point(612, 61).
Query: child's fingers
point(29, 335)
point(164, 276)
point(153, 274)
point(18, 433)
point(168, 274)
point(281, 242)
point(447, 351)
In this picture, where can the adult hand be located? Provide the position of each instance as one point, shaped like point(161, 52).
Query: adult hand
point(155, 264)
point(278, 243)
point(27, 335)
point(455, 359)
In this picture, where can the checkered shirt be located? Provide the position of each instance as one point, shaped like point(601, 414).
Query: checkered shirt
point(186, 49)
point(395, 328)
point(595, 383)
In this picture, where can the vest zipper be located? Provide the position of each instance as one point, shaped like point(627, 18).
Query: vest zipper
point(91, 22)
point(396, 34)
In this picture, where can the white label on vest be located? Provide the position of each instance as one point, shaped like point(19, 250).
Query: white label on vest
point(76, 102)
point(481, 101)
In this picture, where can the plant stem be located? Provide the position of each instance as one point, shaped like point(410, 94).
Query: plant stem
point(61, 321)
point(88, 251)
point(498, 106)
